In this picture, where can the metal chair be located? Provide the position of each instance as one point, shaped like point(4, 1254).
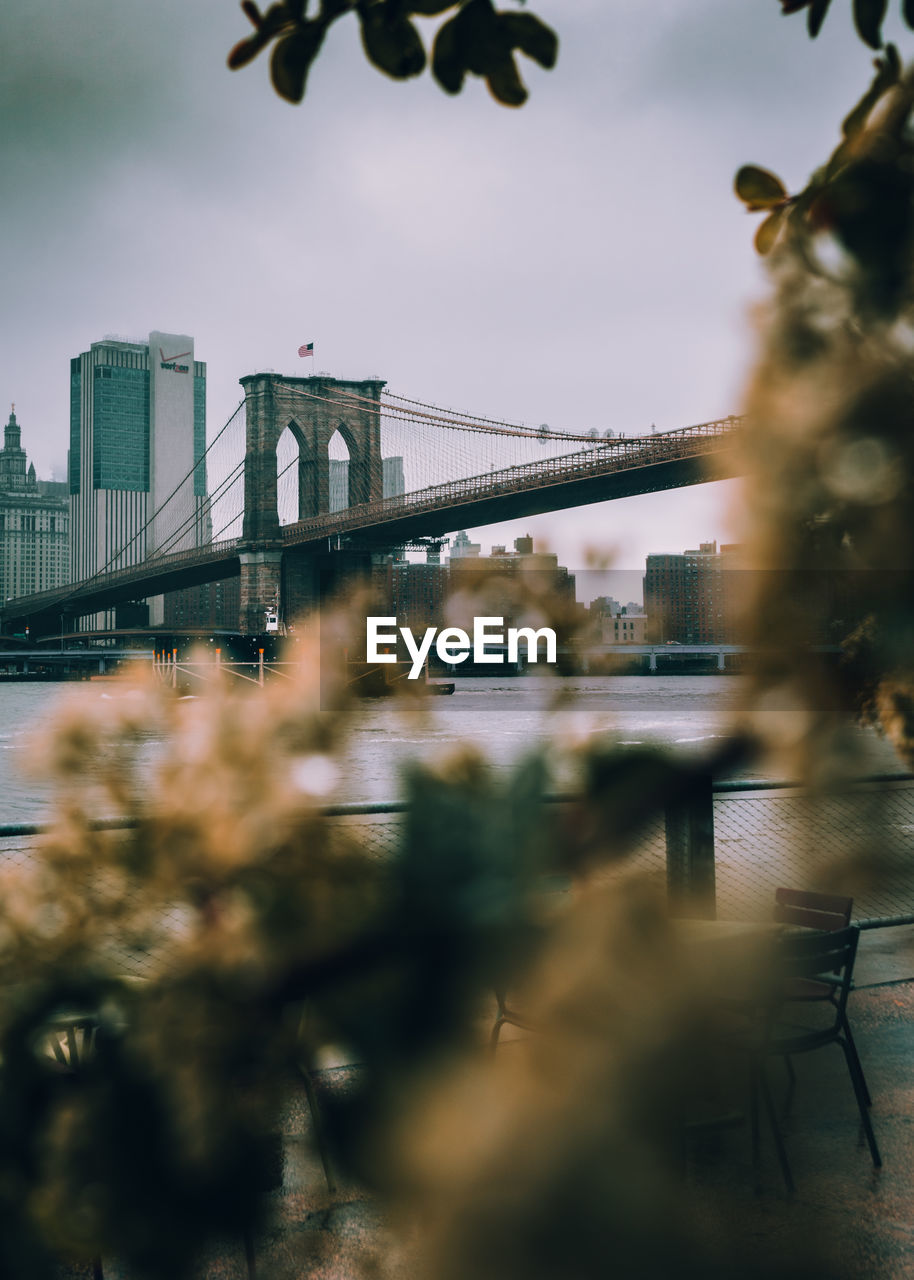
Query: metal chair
point(70, 1041)
point(826, 912)
point(505, 1016)
point(826, 958)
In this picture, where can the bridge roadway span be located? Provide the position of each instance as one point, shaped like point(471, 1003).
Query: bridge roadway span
point(620, 468)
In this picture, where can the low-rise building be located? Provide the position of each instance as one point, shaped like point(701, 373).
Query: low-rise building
point(623, 628)
point(34, 522)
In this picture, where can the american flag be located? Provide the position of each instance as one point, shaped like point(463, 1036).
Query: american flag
point(307, 349)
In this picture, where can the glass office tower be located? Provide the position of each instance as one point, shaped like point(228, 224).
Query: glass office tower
point(137, 478)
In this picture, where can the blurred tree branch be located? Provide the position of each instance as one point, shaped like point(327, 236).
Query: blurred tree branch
point(473, 39)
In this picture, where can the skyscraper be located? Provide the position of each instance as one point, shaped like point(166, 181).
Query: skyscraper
point(137, 438)
point(339, 484)
point(393, 480)
point(33, 522)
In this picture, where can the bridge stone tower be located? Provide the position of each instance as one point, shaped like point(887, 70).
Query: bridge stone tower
point(313, 409)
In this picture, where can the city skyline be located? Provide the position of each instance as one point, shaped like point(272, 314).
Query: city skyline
point(580, 262)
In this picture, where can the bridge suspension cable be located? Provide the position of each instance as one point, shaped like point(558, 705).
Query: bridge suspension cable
point(434, 446)
point(441, 417)
point(425, 445)
point(183, 520)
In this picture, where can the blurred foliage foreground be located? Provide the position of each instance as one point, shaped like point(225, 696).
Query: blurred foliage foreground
point(270, 939)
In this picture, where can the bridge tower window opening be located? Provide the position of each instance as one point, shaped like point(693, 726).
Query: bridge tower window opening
point(288, 466)
point(339, 457)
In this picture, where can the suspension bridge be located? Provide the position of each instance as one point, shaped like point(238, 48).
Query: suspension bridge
point(315, 471)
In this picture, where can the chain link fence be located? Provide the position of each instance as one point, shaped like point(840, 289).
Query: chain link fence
point(860, 842)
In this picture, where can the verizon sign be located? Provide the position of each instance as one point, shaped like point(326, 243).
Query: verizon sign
point(170, 363)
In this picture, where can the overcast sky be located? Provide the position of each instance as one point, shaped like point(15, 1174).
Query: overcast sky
point(580, 262)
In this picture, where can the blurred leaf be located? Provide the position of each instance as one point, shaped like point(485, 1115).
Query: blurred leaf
point(246, 50)
point(475, 39)
point(759, 188)
point(281, 16)
point(888, 73)
point(391, 41)
point(531, 36)
point(769, 229)
point(505, 83)
point(907, 9)
point(482, 42)
point(869, 16)
point(292, 60)
point(816, 16)
point(447, 66)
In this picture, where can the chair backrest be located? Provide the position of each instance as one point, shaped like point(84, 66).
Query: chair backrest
point(826, 911)
point(828, 956)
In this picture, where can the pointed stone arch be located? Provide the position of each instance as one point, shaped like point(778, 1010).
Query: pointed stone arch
point(310, 408)
point(340, 455)
point(305, 467)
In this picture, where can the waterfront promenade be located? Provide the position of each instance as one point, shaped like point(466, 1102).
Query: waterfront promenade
point(866, 1215)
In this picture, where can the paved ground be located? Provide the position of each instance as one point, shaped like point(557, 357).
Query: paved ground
point(866, 1215)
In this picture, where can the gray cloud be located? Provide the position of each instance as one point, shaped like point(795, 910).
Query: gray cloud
point(581, 261)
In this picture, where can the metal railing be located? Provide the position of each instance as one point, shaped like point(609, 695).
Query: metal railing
point(726, 849)
point(605, 458)
point(56, 597)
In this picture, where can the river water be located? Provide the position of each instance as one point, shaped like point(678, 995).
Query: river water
point(502, 718)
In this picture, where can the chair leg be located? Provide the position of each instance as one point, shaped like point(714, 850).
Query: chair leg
point(753, 1117)
point(861, 1094)
point(249, 1256)
point(775, 1129)
point(791, 1082)
point(317, 1122)
point(853, 1050)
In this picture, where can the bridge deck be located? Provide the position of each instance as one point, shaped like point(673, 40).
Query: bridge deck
point(610, 470)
